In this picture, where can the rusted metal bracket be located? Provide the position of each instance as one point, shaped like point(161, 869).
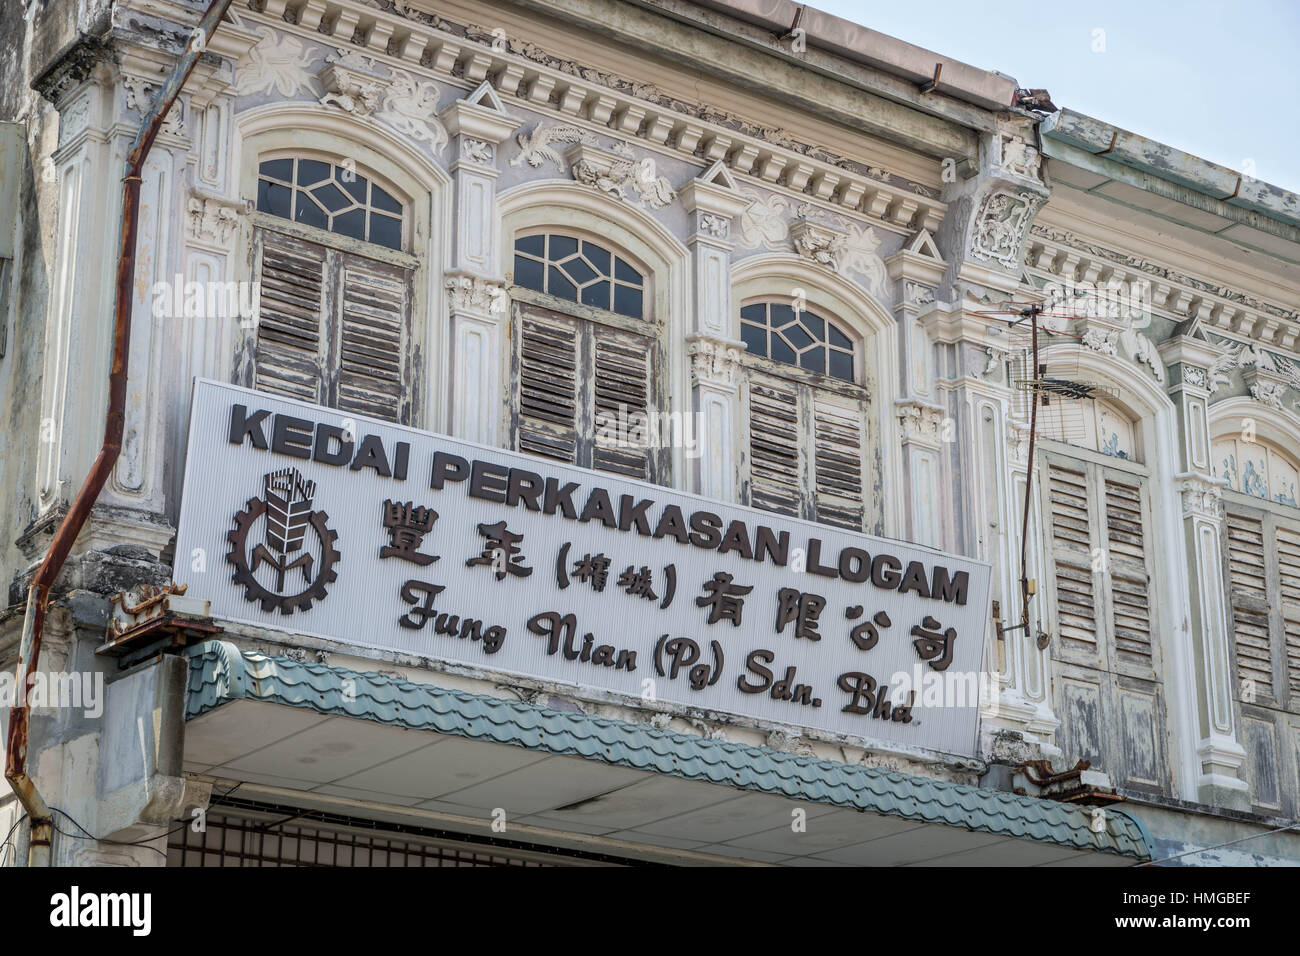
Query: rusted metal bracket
point(161, 618)
point(1080, 784)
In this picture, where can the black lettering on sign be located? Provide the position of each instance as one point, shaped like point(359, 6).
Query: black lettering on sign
point(599, 508)
point(672, 525)
point(630, 515)
point(951, 589)
point(560, 497)
point(447, 468)
point(525, 486)
point(814, 560)
point(488, 481)
point(291, 436)
point(770, 546)
point(914, 580)
point(754, 664)
point(706, 528)
point(244, 425)
point(884, 571)
point(323, 453)
point(371, 455)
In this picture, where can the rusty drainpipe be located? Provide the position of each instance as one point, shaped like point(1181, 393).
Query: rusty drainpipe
point(38, 592)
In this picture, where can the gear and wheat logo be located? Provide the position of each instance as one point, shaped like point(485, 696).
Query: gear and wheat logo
point(282, 518)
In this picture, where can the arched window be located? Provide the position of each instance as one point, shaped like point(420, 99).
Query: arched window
point(806, 415)
point(774, 330)
point(1095, 498)
point(1262, 541)
point(334, 198)
point(579, 270)
point(586, 356)
point(334, 320)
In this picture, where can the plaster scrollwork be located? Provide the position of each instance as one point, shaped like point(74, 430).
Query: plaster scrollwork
point(212, 220)
point(1244, 356)
point(816, 243)
point(477, 151)
point(1144, 352)
point(1201, 497)
point(410, 107)
point(539, 146)
point(74, 118)
point(352, 83)
point(717, 226)
point(764, 223)
point(917, 294)
point(139, 94)
point(1196, 376)
point(1018, 440)
point(277, 63)
point(852, 249)
point(919, 423)
point(994, 365)
point(615, 173)
point(1268, 393)
point(714, 362)
point(467, 293)
point(1099, 340)
point(1000, 226)
point(1019, 158)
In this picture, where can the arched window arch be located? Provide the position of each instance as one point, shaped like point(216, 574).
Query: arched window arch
point(328, 196)
point(1260, 477)
point(806, 417)
point(335, 316)
point(578, 269)
point(1256, 467)
point(587, 353)
point(800, 337)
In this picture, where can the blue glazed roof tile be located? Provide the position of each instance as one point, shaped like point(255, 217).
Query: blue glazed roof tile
point(220, 672)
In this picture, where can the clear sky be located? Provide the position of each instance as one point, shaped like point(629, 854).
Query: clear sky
point(1219, 80)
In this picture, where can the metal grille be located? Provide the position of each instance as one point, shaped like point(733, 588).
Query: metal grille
point(237, 841)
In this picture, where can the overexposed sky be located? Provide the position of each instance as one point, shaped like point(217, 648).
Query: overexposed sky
point(1220, 80)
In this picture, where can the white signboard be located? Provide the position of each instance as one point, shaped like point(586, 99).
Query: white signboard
point(376, 535)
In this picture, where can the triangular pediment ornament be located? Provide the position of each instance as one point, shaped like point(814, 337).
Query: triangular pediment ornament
point(486, 96)
point(923, 245)
point(719, 175)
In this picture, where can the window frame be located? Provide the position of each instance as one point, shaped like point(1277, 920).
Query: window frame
point(650, 327)
point(807, 384)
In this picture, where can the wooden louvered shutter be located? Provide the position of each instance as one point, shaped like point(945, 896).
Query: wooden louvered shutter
point(621, 398)
point(1071, 547)
point(1288, 561)
point(374, 302)
point(774, 440)
point(1130, 599)
point(549, 362)
point(289, 357)
point(837, 460)
point(1248, 587)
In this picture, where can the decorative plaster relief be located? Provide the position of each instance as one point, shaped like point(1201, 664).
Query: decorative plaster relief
point(352, 83)
point(471, 294)
point(615, 173)
point(277, 63)
point(1000, 226)
point(211, 220)
point(714, 362)
point(411, 107)
point(537, 147)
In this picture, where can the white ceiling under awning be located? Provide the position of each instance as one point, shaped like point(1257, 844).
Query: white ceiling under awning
point(296, 756)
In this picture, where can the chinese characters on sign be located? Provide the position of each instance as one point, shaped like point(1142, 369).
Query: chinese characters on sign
point(488, 558)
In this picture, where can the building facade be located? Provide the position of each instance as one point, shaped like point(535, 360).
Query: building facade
point(739, 251)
